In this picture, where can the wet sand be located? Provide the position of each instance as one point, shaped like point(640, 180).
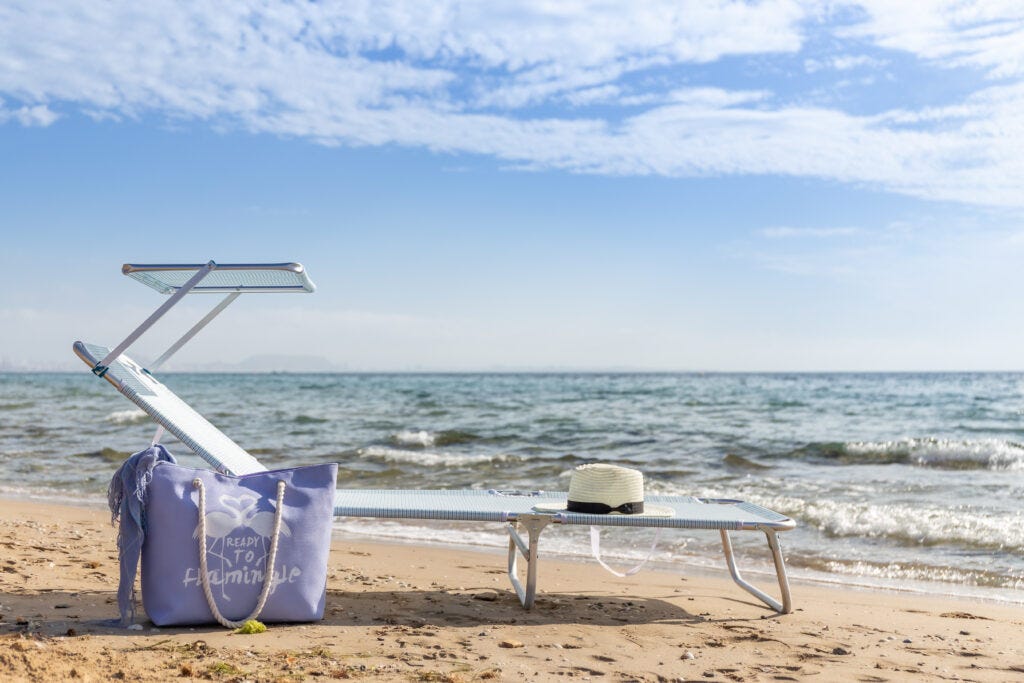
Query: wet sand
point(411, 613)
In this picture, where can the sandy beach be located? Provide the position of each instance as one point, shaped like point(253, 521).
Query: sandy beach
point(399, 612)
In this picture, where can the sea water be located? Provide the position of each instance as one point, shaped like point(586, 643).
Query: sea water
point(911, 481)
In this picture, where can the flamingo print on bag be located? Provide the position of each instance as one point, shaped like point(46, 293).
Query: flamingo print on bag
point(239, 512)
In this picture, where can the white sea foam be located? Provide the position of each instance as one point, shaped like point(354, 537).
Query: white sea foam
point(428, 458)
point(911, 524)
point(991, 453)
point(50, 494)
point(616, 544)
point(126, 417)
point(421, 438)
point(907, 523)
point(491, 537)
point(911, 572)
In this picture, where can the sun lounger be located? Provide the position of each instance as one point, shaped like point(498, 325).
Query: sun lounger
point(513, 509)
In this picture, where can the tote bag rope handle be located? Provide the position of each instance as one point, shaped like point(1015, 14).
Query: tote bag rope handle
point(268, 577)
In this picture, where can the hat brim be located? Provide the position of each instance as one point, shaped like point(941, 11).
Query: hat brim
point(649, 510)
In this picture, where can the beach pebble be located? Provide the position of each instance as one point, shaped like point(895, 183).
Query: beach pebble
point(487, 596)
point(510, 644)
point(688, 655)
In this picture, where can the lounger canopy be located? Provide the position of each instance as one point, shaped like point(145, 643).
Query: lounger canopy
point(177, 280)
point(225, 278)
point(514, 509)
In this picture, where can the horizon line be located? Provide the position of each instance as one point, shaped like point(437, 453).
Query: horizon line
point(537, 371)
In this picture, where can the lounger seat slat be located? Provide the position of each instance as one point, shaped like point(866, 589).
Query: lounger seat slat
point(491, 506)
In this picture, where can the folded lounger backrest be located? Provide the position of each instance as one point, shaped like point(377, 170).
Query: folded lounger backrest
point(171, 413)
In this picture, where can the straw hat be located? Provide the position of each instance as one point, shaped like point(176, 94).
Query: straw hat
point(603, 489)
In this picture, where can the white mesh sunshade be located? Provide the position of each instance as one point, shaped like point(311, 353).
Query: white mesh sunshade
point(226, 277)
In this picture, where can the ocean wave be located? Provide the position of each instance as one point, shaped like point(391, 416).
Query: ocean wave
point(422, 438)
point(127, 417)
point(425, 439)
point(741, 463)
point(20, 405)
point(775, 404)
point(950, 454)
point(319, 386)
point(907, 525)
point(309, 420)
point(107, 454)
point(427, 458)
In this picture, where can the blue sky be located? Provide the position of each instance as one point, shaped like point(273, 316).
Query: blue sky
point(666, 186)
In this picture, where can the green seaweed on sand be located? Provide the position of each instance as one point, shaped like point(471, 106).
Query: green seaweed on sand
point(224, 669)
point(250, 627)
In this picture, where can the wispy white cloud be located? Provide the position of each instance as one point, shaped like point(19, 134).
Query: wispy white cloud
point(29, 116)
point(844, 63)
point(595, 95)
point(981, 33)
point(511, 80)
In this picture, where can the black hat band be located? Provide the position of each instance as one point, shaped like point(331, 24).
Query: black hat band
point(604, 509)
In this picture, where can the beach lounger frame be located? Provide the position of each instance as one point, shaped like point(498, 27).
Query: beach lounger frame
point(514, 509)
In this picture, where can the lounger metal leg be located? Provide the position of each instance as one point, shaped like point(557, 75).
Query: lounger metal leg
point(786, 606)
point(534, 525)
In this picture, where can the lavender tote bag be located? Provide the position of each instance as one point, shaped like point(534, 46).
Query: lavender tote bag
point(207, 540)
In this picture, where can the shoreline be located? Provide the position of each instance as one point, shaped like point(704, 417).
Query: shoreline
point(403, 612)
point(762, 573)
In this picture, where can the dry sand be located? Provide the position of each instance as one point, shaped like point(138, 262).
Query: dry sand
point(409, 613)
